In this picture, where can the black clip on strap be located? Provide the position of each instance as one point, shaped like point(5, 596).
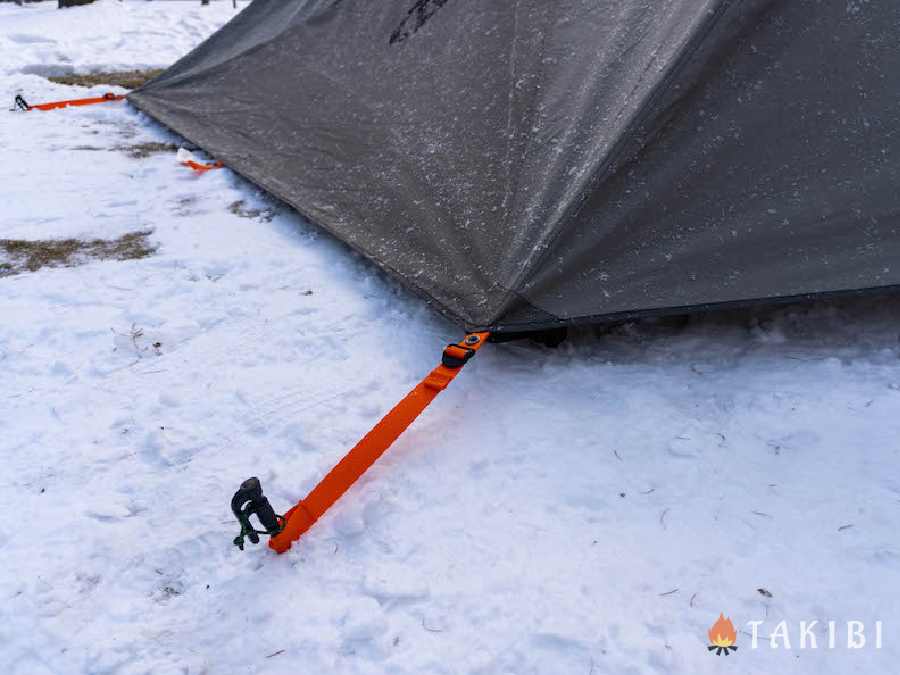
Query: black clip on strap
point(459, 359)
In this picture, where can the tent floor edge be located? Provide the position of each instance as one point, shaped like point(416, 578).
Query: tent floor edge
point(548, 337)
point(373, 445)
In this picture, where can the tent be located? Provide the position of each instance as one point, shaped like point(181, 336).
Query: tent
point(525, 164)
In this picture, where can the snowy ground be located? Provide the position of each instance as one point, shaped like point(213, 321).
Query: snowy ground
point(586, 510)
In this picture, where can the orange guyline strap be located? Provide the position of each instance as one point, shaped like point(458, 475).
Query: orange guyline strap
point(200, 167)
point(356, 462)
point(55, 105)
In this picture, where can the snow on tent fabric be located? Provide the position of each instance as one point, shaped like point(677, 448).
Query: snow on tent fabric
point(525, 164)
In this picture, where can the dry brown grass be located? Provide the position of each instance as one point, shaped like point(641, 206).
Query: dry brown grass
point(129, 79)
point(29, 256)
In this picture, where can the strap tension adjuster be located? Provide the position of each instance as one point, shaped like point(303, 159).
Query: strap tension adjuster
point(455, 356)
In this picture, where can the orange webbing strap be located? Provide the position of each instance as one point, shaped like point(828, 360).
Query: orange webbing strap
point(355, 463)
point(202, 168)
point(106, 98)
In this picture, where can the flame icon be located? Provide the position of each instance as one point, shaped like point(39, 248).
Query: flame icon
point(722, 636)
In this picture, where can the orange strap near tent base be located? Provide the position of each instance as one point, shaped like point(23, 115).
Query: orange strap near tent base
point(200, 167)
point(55, 105)
point(355, 463)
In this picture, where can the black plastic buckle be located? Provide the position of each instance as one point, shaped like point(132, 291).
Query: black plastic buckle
point(451, 361)
point(21, 103)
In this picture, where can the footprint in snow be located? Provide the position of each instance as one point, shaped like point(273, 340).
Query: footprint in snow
point(152, 448)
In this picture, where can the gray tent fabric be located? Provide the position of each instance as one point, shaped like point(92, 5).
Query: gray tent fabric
point(527, 163)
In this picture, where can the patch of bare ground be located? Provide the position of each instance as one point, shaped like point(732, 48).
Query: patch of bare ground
point(133, 150)
point(29, 256)
point(129, 79)
point(240, 209)
point(144, 150)
point(123, 129)
point(184, 205)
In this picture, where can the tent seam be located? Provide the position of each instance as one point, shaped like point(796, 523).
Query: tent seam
point(513, 185)
point(679, 64)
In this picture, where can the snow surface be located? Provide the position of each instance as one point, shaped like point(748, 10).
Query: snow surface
point(590, 509)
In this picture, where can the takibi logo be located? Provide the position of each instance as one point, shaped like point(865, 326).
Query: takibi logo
point(722, 636)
